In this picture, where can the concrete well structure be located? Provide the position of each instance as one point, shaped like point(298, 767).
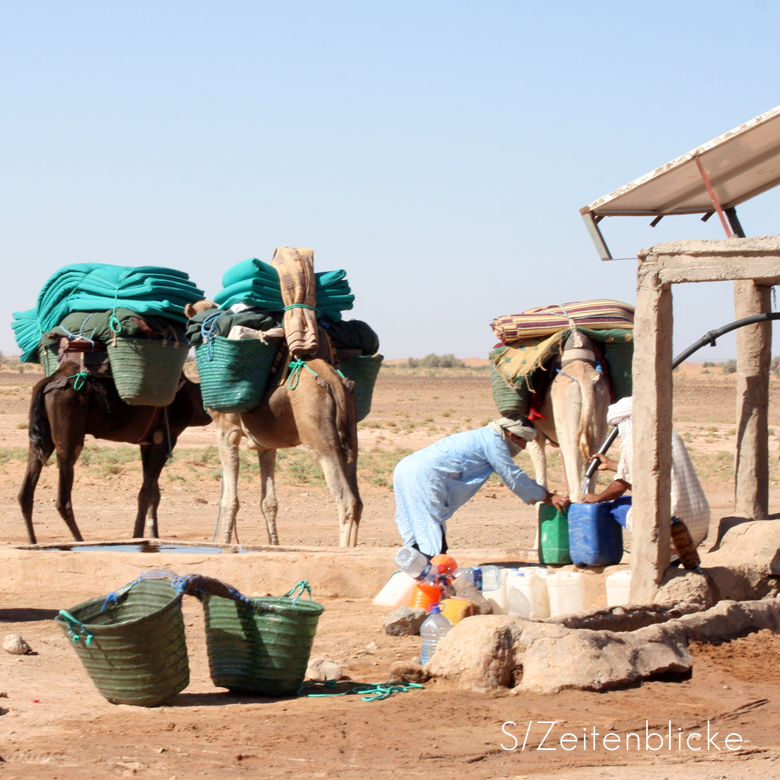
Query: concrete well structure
point(714, 178)
point(754, 266)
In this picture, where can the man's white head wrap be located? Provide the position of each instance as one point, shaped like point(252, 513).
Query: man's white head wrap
point(523, 428)
point(620, 414)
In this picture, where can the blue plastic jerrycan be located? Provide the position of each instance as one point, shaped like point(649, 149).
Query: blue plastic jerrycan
point(595, 538)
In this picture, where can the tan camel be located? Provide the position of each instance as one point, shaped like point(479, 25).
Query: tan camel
point(320, 414)
point(576, 414)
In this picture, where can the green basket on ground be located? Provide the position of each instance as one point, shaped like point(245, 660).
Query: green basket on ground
point(261, 646)
point(508, 400)
point(134, 649)
point(147, 371)
point(48, 358)
point(234, 374)
point(363, 370)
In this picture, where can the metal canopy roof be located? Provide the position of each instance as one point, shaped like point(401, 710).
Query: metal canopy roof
point(739, 165)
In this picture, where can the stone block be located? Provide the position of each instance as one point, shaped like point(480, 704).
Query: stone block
point(405, 621)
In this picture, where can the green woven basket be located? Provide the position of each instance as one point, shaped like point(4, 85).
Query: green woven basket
point(262, 648)
point(133, 650)
point(48, 358)
point(363, 370)
point(234, 374)
point(508, 400)
point(147, 371)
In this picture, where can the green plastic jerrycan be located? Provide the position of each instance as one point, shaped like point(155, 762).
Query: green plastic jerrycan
point(553, 535)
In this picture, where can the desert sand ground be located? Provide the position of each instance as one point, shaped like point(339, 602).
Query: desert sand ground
point(54, 724)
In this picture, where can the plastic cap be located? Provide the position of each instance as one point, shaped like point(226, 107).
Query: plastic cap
point(435, 607)
point(446, 563)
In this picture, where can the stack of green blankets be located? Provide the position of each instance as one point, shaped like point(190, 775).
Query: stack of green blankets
point(99, 287)
point(256, 283)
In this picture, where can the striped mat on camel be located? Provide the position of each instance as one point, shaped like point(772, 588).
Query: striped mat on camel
point(544, 332)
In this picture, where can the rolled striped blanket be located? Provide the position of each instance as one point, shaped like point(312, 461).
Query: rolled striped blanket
point(548, 320)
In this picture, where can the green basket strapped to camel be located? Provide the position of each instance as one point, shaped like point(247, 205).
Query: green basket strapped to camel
point(363, 370)
point(508, 400)
point(261, 646)
point(48, 359)
point(133, 650)
point(147, 371)
point(234, 374)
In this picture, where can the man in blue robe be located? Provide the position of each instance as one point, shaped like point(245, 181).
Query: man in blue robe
point(432, 484)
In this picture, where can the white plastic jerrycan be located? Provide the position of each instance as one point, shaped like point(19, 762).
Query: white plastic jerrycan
point(567, 592)
point(496, 594)
point(526, 593)
point(618, 587)
point(396, 593)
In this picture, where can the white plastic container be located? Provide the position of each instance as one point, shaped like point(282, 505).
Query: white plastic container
point(496, 595)
point(567, 592)
point(526, 594)
point(489, 577)
point(396, 593)
point(618, 587)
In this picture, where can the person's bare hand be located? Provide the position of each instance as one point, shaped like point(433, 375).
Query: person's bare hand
point(605, 463)
point(602, 459)
point(589, 498)
point(561, 503)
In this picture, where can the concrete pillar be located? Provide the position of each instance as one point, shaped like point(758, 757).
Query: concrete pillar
point(652, 439)
point(754, 355)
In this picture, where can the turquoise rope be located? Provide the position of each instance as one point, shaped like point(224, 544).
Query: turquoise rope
point(113, 323)
point(298, 306)
point(80, 628)
point(304, 587)
point(295, 372)
point(80, 378)
point(374, 692)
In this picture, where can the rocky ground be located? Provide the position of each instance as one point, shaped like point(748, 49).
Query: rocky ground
point(53, 723)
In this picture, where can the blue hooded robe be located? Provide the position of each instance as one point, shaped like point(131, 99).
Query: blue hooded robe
point(432, 484)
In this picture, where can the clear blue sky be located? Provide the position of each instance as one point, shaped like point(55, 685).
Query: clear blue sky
point(438, 151)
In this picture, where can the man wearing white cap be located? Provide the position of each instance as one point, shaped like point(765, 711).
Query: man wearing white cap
point(689, 503)
point(433, 483)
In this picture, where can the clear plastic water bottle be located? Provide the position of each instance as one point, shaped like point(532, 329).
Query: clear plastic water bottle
point(491, 577)
point(434, 627)
point(415, 564)
point(472, 575)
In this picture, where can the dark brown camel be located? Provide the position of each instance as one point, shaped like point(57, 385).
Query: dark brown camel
point(320, 414)
point(61, 416)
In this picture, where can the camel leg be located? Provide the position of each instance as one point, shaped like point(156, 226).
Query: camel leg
point(268, 503)
point(27, 493)
point(567, 409)
point(536, 450)
point(228, 438)
point(342, 482)
point(538, 454)
point(153, 460)
point(66, 460)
